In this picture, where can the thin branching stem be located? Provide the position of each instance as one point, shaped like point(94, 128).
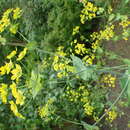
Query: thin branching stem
point(117, 99)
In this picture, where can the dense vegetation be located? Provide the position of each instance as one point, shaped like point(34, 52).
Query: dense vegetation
point(53, 70)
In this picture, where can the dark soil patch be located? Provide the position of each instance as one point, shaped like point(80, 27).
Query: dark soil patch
point(121, 48)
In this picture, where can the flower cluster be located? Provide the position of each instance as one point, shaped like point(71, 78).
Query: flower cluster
point(12, 54)
point(14, 71)
point(110, 9)
point(88, 109)
point(112, 115)
point(22, 54)
point(45, 111)
point(3, 92)
point(76, 30)
point(6, 20)
point(82, 50)
point(88, 12)
point(72, 95)
point(61, 64)
point(80, 95)
point(107, 34)
point(17, 13)
point(124, 24)
point(88, 54)
point(5, 69)
point(14, 109)
point(108, 80)
point(17, 94)
point(97, 37)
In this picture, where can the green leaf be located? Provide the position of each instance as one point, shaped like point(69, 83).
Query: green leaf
point(89, 127)
point(35, 83)
point(112, 55)
point(126, 1)
point(85, 73)
point(31, 45)
point(123, 81)
point(126, 61)
point(2, 40)
point(111, 17)
point(128, 92)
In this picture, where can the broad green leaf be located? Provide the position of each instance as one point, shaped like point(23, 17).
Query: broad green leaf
point(111, 17)
point(89, 127)
point(35, 83)
point(85, 73)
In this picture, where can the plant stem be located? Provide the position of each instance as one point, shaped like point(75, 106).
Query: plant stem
point(23, 37)
point(117, 99)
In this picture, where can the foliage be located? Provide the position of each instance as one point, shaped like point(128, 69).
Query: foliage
point(40, 89)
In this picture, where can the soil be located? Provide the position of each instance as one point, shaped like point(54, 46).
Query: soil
point(121, 48)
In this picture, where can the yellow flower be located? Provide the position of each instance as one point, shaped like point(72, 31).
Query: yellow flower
point(45, 110)
point(107, 33)
point(80, 49)
point(88, 109)
point(110, 10)
point(14, 109)
point(60, 75)
point(17, 13)
point(20, 98)
point(5, 21)
point(108, 80)
point(8, 67)
point(12, 54)
point(17, 94)
point(13, 28)
point(75, 30)
point(56, 67)
point(88, 12)
point(87, 59)
point(125, 34)
point(3, 93)
point(16, 73)
point(124, 22)
point(7, 12)
point(56, 58)
point(22, 54)
point(111, 115)
point(2, 70)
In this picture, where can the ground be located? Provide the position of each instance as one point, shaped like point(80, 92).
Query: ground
point(121, 48)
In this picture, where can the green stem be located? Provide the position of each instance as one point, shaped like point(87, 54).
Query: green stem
point(23, 37)
point(117, 99)
point(73, 122)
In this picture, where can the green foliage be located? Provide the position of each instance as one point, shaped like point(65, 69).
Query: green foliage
point(48, 22)
point(80, 95)
point(84, 72)
point(35, 82)
point(125, 82)
point(89, 127)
